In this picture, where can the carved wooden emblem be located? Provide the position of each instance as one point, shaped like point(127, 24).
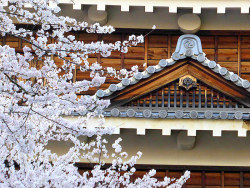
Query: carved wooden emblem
point(187, 82)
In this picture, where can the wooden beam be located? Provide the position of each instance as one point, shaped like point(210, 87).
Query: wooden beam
point(167, 168)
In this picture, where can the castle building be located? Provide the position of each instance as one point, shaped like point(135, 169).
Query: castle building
point(188, 107)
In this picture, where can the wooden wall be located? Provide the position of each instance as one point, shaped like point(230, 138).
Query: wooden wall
point(229, 50)
point(203, 178)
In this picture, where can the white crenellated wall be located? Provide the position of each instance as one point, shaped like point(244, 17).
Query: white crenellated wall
point(149, 5)
point(227, 150)
point(137, 18)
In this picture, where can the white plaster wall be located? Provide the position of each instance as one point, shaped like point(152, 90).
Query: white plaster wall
point(149, 5)
point(228, 150)
point(139, 19)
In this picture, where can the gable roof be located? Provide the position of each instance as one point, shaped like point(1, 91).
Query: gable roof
point(188, 48)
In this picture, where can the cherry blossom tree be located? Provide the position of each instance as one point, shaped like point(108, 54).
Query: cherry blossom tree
point(35, 100)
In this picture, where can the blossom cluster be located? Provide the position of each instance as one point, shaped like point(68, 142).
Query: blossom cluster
point(36, 94)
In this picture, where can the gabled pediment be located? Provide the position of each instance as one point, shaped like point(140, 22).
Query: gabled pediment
point(175, 95)
point(177, 71)
point(188, 59)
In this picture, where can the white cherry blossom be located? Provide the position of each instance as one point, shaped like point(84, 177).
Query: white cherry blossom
point(36, 95)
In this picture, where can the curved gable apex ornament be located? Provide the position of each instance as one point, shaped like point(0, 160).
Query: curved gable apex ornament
point(188, 45)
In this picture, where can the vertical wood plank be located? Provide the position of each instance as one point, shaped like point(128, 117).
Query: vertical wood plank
point(230, 103)
point(167, 173)
point(4, 40)
point(146, 52)
point(138, 103)
point(199, 95)
point(99, 38)
point(236, 105)
point(187, 99)
point(212, 99)
point(206, 97)
point(169, 45)
point(75, 70)
point(203, 179)
point(150, 100)
point(175, 93)
point(74, 75)
point(224, 101)
point(156, 98)
point(222, 179)
point(169, 96)
point(162, 97)
point(20, 43)
point(216, 48)
point(181, 98)
point(239, 55)
point(218, 100)
point(241, 180)
point(193, 99)
point(122, 54)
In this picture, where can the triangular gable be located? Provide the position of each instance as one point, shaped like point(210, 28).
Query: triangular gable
point(188, 46)
point(172, 95)
point(176, 71)
point(188, 59)
point(175, 101)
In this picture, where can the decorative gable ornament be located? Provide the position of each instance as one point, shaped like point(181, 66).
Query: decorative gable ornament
point(188, 82)
point(188, 45)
